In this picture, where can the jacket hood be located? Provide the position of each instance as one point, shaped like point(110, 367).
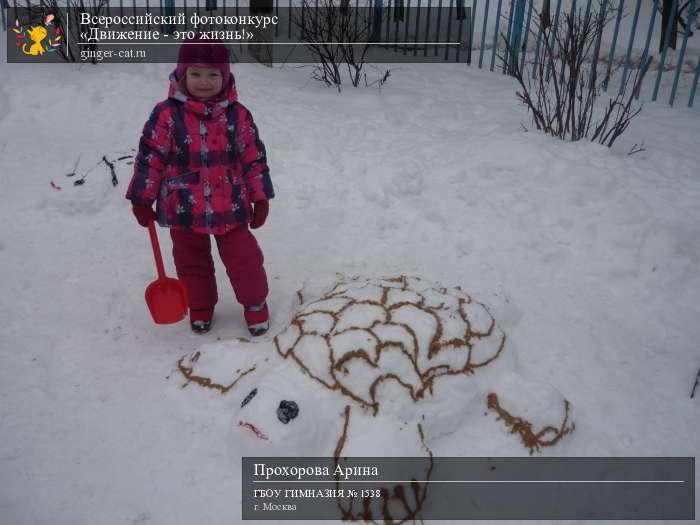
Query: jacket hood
point(207, 109)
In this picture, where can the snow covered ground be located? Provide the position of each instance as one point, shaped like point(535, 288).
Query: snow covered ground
point(587, 258)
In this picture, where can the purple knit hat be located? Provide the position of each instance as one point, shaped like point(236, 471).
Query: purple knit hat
point(204, 53)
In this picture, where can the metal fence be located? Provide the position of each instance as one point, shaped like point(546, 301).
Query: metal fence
point(628, 43)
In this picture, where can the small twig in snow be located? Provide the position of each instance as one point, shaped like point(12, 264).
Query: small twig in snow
point(74, 167)
point(636, 148)
point(111, 168)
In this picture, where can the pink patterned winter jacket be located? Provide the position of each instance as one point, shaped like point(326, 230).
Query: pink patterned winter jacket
point(203, 163)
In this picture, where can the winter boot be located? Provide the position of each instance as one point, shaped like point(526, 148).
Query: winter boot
point(200, 320)
point(257, 317)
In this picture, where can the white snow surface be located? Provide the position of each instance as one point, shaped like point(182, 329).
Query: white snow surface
point(586, 257)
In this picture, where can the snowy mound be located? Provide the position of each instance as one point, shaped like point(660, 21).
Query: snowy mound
point(404, 360)
point(363, 334)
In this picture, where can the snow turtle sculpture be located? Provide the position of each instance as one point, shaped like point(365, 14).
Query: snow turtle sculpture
point(375, 367)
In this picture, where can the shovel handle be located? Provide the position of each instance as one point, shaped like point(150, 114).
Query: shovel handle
point(156, 249)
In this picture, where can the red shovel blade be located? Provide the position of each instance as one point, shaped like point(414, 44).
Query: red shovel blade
point(166, 297)
point(166, 300)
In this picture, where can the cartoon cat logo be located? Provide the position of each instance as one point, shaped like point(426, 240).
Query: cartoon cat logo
point(36, 35)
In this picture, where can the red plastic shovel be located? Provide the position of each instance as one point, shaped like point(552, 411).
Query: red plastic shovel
point(165, 297)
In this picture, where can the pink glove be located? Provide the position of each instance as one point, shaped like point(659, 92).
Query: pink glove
point(144, 214)
point(260, 211)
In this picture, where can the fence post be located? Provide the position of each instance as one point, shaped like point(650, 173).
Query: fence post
point(553, 35)
point(694, 86)
point(611, 57)
point(629, 45)
point(495, 35)
point(662, 61)
point(169, 8)
point(648, 40)
point(277, 14)
point(666, 16)
point(600, 25)
point(483, 34)
point(439, 16)
point(376, 17)
point(398, 13)
point(527, 35)
point(471, 32)
point(415, 41)
point(508, 40)
point(449, 30)
point(540, 26)
point(427, 29)
point(388, 26)
point(588, 10)
point(517, 31)
point(679, 66)
point(405, 32)
point(461, 15)
point(572, 14)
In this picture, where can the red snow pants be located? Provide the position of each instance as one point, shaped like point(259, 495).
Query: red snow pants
point(241, 256)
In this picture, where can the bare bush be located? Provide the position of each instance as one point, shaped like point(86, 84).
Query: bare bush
point(561, 87)
point(339, 36)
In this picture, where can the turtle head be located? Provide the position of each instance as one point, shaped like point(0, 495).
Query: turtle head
point(281, 414)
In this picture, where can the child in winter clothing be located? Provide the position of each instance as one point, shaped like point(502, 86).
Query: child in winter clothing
point(201, 160)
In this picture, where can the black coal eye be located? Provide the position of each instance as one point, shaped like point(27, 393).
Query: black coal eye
point(249, 397)
point(287, 411)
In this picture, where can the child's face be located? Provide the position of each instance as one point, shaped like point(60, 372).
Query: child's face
point(203, 82)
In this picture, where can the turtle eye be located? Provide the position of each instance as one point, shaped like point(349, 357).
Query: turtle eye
point(287, 411)
point(249, 397)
